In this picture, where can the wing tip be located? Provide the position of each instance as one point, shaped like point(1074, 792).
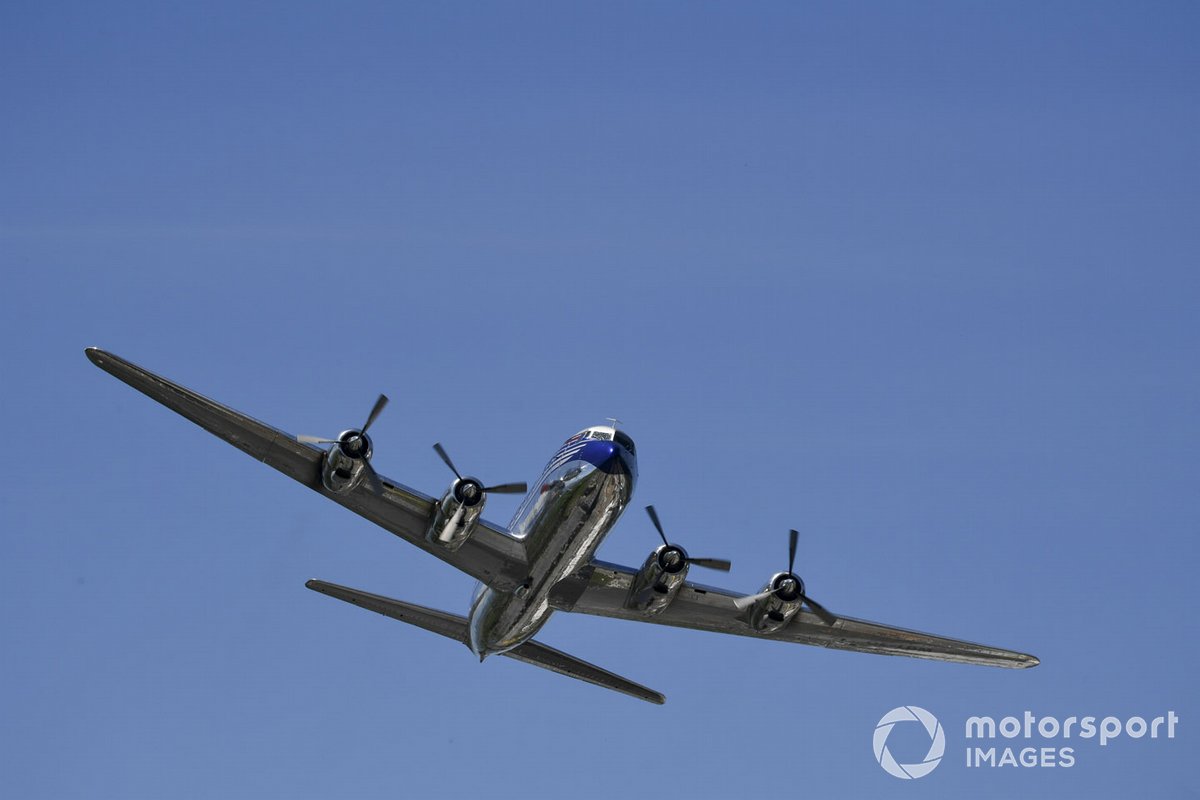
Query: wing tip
point(1011, 660)
point(95, 355)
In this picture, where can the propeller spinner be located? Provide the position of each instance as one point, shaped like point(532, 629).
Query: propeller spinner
point(469, 490)
point(354, 443)
point(788, 587)
point(674, 557)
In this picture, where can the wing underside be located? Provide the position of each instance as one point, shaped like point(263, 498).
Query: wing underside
point(490, 555)
point(603, 588)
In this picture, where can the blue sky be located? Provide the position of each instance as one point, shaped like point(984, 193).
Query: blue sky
point(919, 281)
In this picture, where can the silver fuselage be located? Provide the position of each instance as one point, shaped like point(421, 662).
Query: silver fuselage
point(562, 522)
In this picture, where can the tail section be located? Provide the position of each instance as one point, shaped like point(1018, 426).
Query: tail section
point(455, 627)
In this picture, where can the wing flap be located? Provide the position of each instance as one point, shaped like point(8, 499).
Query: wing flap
point(490, 555)
point(455, 627)
point(602, 589)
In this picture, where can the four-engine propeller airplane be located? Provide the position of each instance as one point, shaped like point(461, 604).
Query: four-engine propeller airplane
point(542, 561)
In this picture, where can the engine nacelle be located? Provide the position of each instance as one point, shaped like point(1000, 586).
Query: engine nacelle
point(659, 580)
point(777, 609)
point(456, 514)
point(345, 464)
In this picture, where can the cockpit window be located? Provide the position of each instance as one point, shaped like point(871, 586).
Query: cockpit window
point(623, 439)
point(601, 435)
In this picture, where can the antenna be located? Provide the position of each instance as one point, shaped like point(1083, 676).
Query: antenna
point(615, 422)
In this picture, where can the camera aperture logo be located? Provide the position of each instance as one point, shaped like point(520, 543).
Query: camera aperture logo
point(937, 742)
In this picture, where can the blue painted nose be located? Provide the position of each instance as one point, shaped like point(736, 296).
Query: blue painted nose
point(608, 456)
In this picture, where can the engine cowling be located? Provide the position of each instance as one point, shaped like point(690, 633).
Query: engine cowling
point(345, 464)
point(775, 610)
point(659, 580)
point(457, 512)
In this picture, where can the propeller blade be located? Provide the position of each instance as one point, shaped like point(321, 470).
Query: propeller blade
point(820, 610)
point(441, 451)
point(742, 603)
point(711, 563)
point(315, 440)
point(657, 525)
point(793, 536)
point(508, 488)
point(378, 407)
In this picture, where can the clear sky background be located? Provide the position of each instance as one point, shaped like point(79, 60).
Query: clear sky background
point(918, 280)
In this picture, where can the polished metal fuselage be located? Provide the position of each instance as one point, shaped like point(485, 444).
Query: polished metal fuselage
point(562, 522)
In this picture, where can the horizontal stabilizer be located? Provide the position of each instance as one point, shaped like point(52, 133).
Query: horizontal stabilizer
point(449, 625)
point(455, 627)
point(545, 657)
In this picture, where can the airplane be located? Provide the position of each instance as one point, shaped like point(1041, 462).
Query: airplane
point(543, 561)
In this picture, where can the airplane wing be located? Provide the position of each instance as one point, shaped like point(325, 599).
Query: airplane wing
point(602, 588)
point(489, 555)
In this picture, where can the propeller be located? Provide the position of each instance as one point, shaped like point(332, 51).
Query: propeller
point(355, 444)
point(675, 556)
point(789, 586)
point(471, 490)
